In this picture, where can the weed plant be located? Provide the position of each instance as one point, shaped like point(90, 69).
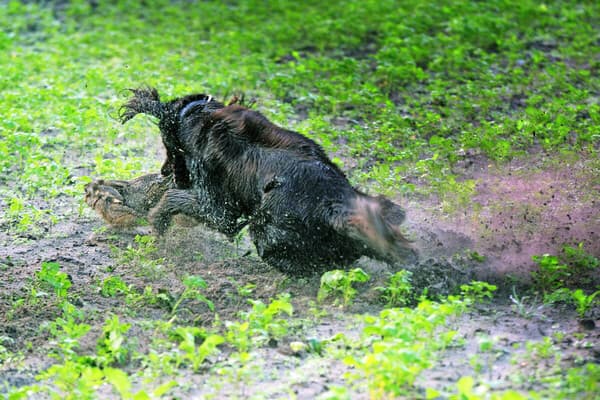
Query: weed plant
point(561, 278)
point(338, 282)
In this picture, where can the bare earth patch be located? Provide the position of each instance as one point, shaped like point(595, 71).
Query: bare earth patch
point(522, 211)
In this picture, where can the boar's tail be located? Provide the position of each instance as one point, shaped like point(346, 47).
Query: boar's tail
point(145, 100)
point(375, 221)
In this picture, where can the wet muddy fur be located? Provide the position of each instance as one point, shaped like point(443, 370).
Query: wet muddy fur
point(233, 167)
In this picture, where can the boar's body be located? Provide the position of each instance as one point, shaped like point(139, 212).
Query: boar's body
point(235, 168)
point(300, 220)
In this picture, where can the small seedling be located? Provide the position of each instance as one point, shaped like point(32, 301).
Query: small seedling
point(468, 389)
point(111, 345)
point(66, 332)
point(142, 256)
point(398, 291)
point(242, 291)
point(551, 273)
point(50, 276)
point(579, 258)
point(193, 287)
point(260, 324)
point(246, 290)
point(478, 291)
point(543, 349)
point(192, 353)
point(262, 317)
point(149, 296)
point(339, 283)
point(27, 218)
point(556, 276)
point(583, 301)
point(475, 256)
point(112, 286)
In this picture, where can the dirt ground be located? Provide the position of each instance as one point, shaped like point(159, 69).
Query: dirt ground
point(521, 211)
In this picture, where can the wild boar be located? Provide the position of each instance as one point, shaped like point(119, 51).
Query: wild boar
point(232, 167)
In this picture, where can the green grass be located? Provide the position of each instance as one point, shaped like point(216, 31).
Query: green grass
point(396, 91)
point(417, 81)
point(387, 358)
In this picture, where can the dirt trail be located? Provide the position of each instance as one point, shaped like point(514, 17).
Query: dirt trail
point(524, 208)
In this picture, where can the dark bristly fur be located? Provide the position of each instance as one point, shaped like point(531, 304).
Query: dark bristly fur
point(233, 167)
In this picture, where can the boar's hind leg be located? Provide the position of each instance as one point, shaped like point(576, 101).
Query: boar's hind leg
point(190, 203)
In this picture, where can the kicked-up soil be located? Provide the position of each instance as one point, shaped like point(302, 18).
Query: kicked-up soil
point(520, 209)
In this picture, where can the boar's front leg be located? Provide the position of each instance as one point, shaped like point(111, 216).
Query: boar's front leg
point(194, 204)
